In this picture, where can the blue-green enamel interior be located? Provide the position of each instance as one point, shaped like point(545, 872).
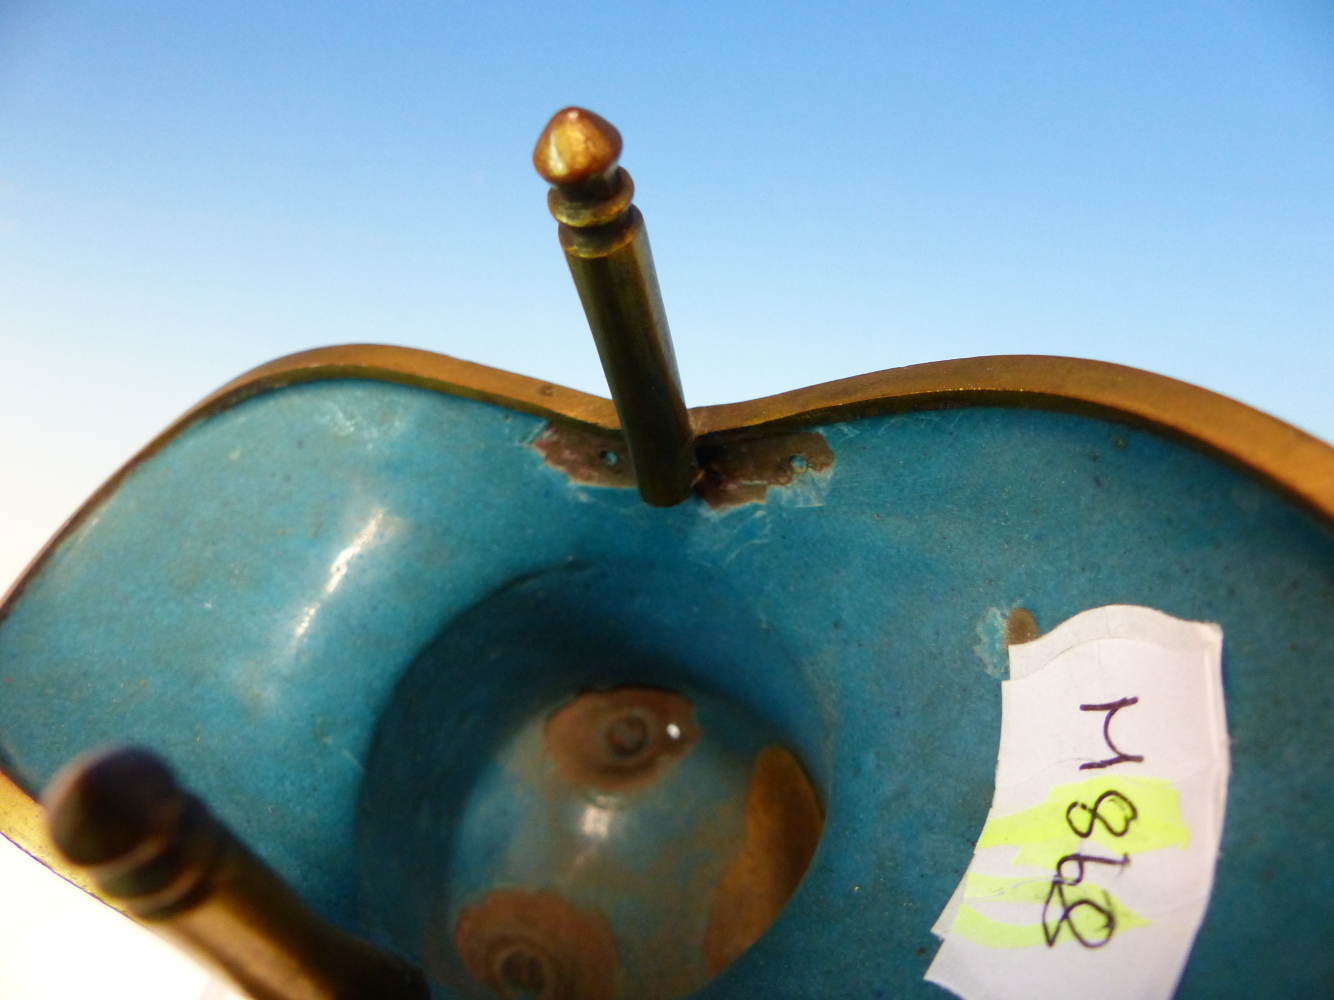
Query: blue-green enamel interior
point(249, 598)
point(458, 798)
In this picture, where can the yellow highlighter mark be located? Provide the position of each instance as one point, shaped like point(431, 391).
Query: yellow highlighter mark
point(975, 926)
point(1127, 815)
point(1083, 827)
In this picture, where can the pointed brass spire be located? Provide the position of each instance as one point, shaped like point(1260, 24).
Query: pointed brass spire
point(606, 247)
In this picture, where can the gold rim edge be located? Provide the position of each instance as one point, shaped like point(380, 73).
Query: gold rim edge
point(1290, 459)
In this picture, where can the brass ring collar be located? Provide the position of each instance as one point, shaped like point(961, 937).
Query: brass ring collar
point(568, 207)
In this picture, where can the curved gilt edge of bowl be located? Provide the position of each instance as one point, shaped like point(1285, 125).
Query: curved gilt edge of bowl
point(1288, 459)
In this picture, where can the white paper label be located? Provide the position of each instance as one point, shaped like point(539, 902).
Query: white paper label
point(1093, 872)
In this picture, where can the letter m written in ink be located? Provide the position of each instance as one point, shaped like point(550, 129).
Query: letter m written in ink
point(1111, 708)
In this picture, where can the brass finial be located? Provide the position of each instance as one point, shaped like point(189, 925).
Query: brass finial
point(155, 847)
point(607, 251)
point(108, 807)
point(576, 146)
point(576, 154)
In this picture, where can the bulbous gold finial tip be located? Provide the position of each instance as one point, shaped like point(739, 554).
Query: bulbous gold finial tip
point(576, 146)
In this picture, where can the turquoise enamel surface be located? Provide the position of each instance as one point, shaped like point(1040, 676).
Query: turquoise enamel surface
point(249, 600)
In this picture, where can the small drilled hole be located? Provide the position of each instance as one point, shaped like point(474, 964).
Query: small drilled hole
point(522, 970)
point(627, 735)
point(609, 457)
point(797, 463)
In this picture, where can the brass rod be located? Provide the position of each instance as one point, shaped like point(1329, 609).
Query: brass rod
point(151, 844)
point(607, 250)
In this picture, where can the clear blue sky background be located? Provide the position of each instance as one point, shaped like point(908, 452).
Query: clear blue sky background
point(189, 188)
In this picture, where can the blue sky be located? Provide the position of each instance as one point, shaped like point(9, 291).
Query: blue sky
point(188, 189)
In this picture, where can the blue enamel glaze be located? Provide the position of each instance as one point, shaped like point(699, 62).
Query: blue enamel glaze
point(248, 600)
point(582, 625)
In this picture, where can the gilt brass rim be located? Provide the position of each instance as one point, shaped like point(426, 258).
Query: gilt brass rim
point(1289, 459)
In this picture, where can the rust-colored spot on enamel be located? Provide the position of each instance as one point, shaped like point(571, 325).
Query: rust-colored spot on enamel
point(1021, 627)
point(587, 457)
point(535, 944)
point(620, 740)
point(741, 472)
point(576, 146)
point(783, 825)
